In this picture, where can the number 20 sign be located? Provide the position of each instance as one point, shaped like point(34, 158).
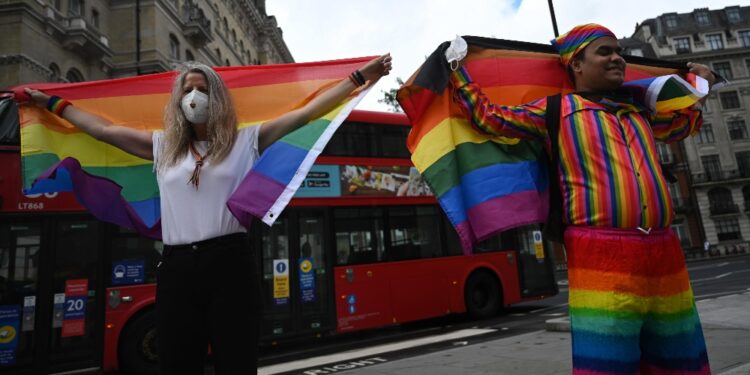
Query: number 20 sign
point(74, 315)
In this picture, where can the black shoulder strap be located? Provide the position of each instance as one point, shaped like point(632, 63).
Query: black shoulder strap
point(554, 227)
point(553, 125)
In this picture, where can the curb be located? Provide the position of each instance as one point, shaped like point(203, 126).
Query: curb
point(558, 324)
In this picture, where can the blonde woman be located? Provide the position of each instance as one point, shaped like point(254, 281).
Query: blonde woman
point(207, 286)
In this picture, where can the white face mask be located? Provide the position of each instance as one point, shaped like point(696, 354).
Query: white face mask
point(195, 107)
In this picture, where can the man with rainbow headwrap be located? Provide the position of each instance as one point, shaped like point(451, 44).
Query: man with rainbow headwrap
point(632, 309)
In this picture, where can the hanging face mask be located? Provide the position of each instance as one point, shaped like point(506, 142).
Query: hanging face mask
point(195, 107)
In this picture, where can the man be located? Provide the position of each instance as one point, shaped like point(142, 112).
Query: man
point(631, 306)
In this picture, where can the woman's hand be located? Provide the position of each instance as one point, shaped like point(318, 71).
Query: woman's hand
point(377, 68)
point(702, 71)
point(37, 97)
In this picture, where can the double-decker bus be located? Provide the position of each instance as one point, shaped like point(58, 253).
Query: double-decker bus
point(362, 245)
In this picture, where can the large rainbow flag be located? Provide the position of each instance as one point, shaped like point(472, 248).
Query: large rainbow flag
point(120, 188)
point(489, 184)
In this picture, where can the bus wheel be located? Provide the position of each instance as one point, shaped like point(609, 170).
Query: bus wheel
point(482, 295)
point(138, 350)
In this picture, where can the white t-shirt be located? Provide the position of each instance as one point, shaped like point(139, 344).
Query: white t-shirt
point(189, 214)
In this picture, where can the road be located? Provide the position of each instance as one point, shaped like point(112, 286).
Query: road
point(710, 279)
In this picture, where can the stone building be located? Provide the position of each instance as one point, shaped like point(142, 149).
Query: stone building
point(718, 158)
point(81, 40)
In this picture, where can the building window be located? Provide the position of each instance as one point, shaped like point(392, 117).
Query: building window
point(671, 20)
point(635, 52)
point(744, 38)
point(733, 15)
point(729, 100)
point(720, 201)
point(74, 75)
point(711, 167)
point(727, 229)
point(682, 45)
point(226, 62)
point(665, 154)
point(743, 163)
point(746, 196)
point(75, 7)
point(95, 18)
point(174, 47)
point(55, 72)
point(714, 41)
point(58, 4)
point(724, 69)
point(737, 128)
point(706, 134)
point(702, 18)
point(226, 27)
point(218, 54)
point(189, 55)
point(747, 67)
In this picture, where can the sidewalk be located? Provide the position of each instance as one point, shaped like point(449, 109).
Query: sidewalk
point(726, 326)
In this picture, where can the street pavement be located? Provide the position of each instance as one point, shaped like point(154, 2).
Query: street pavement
point(726, 326)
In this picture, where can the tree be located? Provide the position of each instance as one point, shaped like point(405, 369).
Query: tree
point(390, 97)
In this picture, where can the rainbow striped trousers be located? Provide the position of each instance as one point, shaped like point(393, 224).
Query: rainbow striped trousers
point(632, 309)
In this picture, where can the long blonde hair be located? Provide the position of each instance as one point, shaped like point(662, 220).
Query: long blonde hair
point(222, 119)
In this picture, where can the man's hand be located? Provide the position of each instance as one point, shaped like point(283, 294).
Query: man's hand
point(702, 71)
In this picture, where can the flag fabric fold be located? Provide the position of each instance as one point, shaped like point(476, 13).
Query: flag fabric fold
point(120, 188)
point(488, 184)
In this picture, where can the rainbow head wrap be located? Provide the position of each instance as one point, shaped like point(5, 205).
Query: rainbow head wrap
point(569, 44)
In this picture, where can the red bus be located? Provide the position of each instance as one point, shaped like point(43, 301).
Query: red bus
point(362, 245)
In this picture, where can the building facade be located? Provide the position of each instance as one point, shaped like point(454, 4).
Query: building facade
point(81, 40)
point(718, 158)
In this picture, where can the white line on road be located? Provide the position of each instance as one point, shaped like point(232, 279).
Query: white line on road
point(712, 277)
point(717, 265)
point(548, 308)
point(368, 352)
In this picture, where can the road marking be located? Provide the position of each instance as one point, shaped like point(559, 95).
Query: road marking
point(553, 314)
point(712, 277)
point(548, 308)
point(708, 266)
point(369, 352)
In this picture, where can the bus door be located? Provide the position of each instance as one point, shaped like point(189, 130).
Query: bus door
point(295, 277)
point(536, 266)
point(50, 294)
point(19, 291)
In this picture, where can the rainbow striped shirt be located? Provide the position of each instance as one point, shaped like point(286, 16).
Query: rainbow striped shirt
point(609, 169)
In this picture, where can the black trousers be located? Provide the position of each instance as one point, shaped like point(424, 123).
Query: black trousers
point(208, 293)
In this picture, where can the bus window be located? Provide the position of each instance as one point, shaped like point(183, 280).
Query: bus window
point(414, 233)
point(394, 141)
point(359, 235)
point(452, 242)
point(354, 139)
point(130, 252)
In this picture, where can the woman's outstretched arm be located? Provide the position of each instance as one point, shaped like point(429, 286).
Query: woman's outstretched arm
point(132, 141)
point(272, 130)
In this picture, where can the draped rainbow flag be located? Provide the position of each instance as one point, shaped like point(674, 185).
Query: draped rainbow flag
point(489, 184)
point(120, 188)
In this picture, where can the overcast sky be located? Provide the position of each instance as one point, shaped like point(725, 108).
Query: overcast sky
point(316, 30)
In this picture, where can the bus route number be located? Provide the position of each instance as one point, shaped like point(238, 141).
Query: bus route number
point(75, 307)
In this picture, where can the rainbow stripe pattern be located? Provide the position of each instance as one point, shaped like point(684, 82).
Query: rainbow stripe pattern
point(120, 188)
point(488, 183)
point(632, 309)
point(569, 44)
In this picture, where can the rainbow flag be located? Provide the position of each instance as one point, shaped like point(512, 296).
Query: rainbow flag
point(489, 184)
point(120, 188)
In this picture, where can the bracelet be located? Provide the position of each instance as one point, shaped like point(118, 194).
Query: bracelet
point(57, 105)
point(356, 78)
point(351, 78)
point(360, 77)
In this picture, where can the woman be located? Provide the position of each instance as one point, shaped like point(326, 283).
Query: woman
point(207, 290)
